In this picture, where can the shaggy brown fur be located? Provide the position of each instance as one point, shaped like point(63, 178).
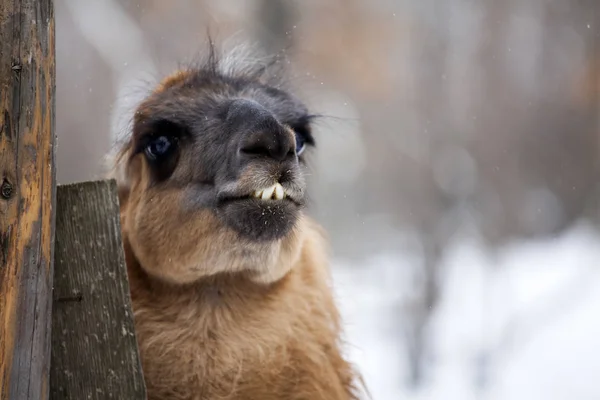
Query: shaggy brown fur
point(220, 314)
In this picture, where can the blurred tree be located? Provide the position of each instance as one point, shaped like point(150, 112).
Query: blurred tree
point(276, 22)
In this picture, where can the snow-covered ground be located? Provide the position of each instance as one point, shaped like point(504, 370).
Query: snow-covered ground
point(533, 310)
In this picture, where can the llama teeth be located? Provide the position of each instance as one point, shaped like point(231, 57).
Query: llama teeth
point(268, 193)
point(279, 194)
point(275, 192)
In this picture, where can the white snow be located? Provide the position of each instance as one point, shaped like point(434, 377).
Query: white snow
point(533, 309)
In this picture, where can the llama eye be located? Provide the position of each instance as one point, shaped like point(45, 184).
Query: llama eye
point(159, 147)
point(300, 143)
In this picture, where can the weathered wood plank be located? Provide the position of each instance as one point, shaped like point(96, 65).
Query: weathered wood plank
point(27, 193)
point(94, 348)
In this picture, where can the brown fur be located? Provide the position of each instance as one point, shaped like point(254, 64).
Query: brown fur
point(220, 317)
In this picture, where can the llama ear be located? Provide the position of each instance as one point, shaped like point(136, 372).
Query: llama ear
point(115, 163)
point(175, 78)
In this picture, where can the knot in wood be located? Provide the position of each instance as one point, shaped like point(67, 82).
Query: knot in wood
point(6, 189)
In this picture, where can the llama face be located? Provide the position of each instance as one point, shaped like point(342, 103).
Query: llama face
point(215, 178)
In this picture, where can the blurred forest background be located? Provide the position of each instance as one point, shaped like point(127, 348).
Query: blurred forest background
point(457, 173)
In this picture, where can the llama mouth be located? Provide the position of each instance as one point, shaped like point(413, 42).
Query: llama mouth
point(273, 194)
point(263, 215)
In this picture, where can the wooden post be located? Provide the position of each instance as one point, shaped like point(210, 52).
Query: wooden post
point(94, 348)
point(27, 193)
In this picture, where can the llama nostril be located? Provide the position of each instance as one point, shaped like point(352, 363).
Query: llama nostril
point(261, 134)
point(273, 143)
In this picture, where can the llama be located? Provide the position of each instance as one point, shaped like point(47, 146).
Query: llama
point(229, 277)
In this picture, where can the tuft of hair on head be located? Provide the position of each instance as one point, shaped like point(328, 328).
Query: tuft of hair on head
point(241, 59)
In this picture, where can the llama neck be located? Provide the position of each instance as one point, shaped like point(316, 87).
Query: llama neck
point(213, 290)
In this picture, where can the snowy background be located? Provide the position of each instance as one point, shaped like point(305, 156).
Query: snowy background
point(520, 324)
point(456, 172)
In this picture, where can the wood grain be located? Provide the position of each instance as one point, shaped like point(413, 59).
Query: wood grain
point(94, 348)
point(27, 193)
